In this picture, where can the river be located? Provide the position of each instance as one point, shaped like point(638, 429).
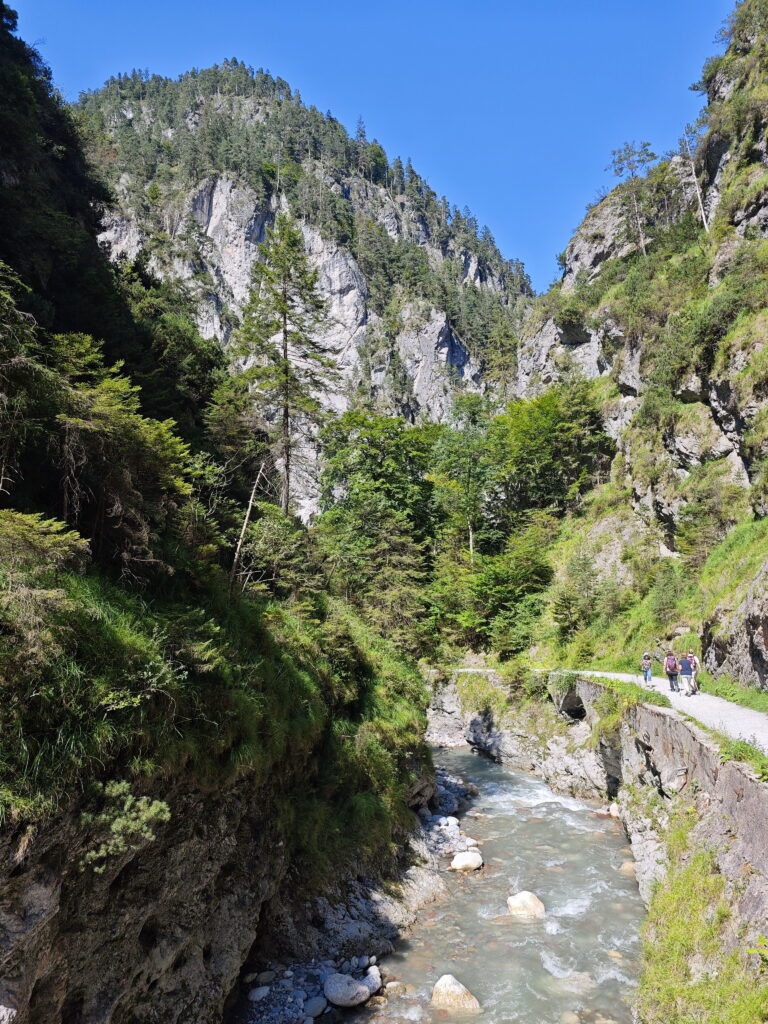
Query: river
point(579, 964)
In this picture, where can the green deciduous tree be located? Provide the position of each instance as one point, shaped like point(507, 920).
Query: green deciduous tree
point(544, 452)
point(460, 467)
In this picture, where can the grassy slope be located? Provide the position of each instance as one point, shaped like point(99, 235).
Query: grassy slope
point(318, 709)
point(691, 971)
point(687, 323)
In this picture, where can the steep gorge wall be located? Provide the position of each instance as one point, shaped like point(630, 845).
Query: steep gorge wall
point(161, 935)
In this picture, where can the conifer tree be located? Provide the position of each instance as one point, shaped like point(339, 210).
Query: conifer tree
point(288, 367)
point(630, 163)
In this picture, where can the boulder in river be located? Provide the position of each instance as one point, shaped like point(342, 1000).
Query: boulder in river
point(526, 906)
point(628, 869)
point(450, 994)
point(395, 988)
point(469, 861)
point(344, 990)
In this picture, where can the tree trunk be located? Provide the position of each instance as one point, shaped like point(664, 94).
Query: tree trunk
point(697, 187)
point(639, 223)
point(241, 538)
point(471, 545)
point(285, 497)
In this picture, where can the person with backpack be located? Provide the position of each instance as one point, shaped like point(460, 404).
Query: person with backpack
point(646, 666)
point(696, 665)
point(686, 675)
point(672, 669)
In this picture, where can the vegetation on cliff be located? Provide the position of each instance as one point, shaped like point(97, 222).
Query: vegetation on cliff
point(124, 653)
point(156, 141)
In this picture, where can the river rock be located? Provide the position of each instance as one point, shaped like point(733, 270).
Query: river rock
point(569, 1017)
point(395, 988)
point(315, 1006)
point(450, 994)
point(344, 990)
point(469, 861)
point(579, 981)
point(526, 906)
point(265, 977)
point(257, 994)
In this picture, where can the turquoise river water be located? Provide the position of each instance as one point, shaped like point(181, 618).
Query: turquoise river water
point(578, 965)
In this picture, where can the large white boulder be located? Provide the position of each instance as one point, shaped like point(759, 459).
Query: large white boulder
point(526, 906)
point(450, 994)
point(372, 979)
point(469, 861)
point(344, 990)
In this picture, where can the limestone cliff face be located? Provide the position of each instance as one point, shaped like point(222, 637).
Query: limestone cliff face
point(227, 221)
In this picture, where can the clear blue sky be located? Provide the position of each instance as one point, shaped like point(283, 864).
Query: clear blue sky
point(510, 107)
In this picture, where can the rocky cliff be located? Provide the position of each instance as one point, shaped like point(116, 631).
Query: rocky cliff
point(675, 339)
point(199, 168)
point(160, 932)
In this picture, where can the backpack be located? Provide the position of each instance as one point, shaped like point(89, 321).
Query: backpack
point(670, 663)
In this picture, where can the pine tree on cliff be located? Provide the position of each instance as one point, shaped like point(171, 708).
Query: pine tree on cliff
point(630, 163)
point(288, 366)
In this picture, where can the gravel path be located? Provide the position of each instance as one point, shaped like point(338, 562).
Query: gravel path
point(733, 720)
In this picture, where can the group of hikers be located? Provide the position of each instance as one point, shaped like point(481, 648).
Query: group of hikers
point(681, 672)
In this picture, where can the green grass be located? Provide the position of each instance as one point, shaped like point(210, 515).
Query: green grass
point(690, 972)
point(478, 693)
point(739, 750)
point(311, 705)
point(730, 690)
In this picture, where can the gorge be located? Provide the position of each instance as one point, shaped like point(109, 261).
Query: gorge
point(299, 479)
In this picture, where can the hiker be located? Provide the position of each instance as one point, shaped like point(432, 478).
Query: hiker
point(646, 665)
point(696, 665)
point(686, 675)
point(672, 668)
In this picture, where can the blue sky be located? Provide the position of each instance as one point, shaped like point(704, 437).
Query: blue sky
point(510, 107)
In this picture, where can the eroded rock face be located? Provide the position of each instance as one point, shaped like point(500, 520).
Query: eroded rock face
point(735, 642)
point(415, 374)
point(159, 937)
point(600, 237)
point(450, 994)
point(549, 353)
